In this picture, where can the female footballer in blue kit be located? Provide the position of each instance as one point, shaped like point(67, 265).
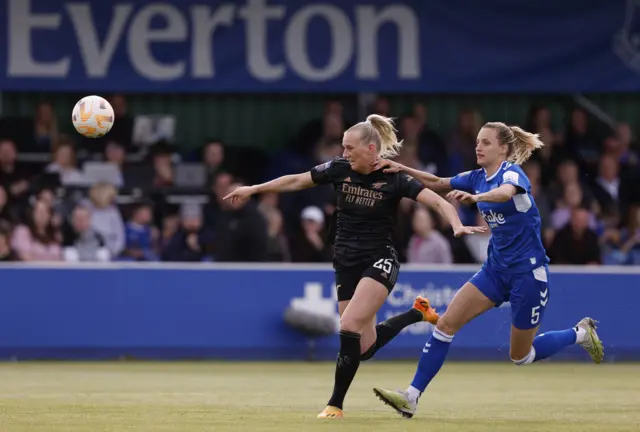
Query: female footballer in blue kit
point(516, 267)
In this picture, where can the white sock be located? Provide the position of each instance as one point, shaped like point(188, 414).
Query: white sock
point(581, 335)
point(413, 394)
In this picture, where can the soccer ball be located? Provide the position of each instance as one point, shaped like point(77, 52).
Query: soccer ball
point(92, 117)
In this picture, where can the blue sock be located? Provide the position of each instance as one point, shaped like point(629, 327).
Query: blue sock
point(550, 343)
point(431, 360)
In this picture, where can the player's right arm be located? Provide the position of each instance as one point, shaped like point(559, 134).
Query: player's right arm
point(410, 188)
point(287, 183)
point(433, 182)
point(321, 174)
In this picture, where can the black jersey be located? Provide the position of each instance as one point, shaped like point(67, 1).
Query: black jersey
point(367, 208)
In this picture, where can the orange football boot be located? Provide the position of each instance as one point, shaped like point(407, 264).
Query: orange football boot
point(429, 314)
point(331, 412)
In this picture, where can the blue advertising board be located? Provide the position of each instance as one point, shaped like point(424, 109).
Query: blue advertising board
point(311, 46)
point(236, 312)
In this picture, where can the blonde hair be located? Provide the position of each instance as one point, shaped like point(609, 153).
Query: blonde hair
point(521, 143)
point(380, 131)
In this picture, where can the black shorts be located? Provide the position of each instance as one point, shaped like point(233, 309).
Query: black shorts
point(383, 269)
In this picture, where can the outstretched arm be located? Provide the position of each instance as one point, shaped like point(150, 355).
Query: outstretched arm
point(498, 195)
point(432, 200)
point(433, 182)
point(288, 183)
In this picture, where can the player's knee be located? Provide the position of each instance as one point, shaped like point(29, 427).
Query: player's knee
point(447, 326)
point(350, 324)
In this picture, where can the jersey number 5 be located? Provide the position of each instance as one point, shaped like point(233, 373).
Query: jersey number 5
point(386, 265)
point(535, 315)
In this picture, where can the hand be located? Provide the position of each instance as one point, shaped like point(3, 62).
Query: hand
point(240, 195)
point(388, 165)
point(465, 230)
point(463, 197)
point(193, 243)
point(19, 187)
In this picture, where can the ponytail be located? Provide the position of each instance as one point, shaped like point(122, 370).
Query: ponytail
point(521, 143)
point(524, 145)
point(388, 145)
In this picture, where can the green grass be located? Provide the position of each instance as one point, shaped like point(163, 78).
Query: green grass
point(287, 397)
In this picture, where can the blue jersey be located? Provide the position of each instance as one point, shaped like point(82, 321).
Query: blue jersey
point(516, 243)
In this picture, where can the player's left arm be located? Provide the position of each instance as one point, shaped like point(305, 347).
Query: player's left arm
point(513, 183)
point(411, 188)
point(502, 193)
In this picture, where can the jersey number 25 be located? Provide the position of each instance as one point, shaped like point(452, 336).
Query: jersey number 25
point(386, 265)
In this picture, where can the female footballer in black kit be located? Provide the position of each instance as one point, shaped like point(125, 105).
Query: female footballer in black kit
point(365, 261)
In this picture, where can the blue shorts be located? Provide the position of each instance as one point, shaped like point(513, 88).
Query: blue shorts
point(528, 293)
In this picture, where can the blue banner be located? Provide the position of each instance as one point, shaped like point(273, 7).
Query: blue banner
point(330, 46)
point(209, 311)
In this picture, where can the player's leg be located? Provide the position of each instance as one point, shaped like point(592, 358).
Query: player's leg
point(385, 271)
point(471, 300)
point(529, 297)
point(357, 317)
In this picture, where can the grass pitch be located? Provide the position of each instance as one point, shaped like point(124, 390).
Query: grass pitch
point(281, 397)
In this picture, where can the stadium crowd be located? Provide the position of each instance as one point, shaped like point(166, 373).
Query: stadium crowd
point(63, 198)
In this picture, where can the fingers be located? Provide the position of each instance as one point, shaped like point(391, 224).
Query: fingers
point(478, 229)
point(456, 195)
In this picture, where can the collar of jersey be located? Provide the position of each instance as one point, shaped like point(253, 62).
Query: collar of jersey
point(502, 166)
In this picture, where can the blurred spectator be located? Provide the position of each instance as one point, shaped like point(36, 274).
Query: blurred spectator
point(432, 151)
point(427, 245)
point(106, 218)
point(610, 190)
point(115, 153)
point(12, 177)
point(381, 106)
point(240, 232)
point(581, 140)
point(47, 196)
point(81, 242)
point(576, 243)
point(7, 214)
point(6, 252)
point(268, 202)
point(568, 172)
point(409, 153)
point(162, 167)
point(314, 130)
point(478, 244)
point(277, 244)
point(533, 171)
point(462, 141)
point(45, 128)
point(37, 240)
point(191, 242)
point(403, 227)
point(140, 237)
point(326, 147)
point(170, 226)
point(571, 200)
point(122, 130)
point(539, 121)
point(309, 245)
point(64, 164)
point(219, 187)
point(627, 152)
point(623, 247)
point(213, 155)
